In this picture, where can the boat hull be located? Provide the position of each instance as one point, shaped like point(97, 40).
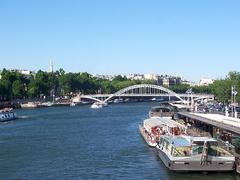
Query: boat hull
point(145, 137)
point(96, 106)
point(7, 117)
point(195, 165)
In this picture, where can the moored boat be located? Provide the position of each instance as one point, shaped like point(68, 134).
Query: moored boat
point(7, 114)
point(119, 100)
point(161, 111)
point(97, 105)
point(46, 104)
point(187, 153)
point(29, 105)
point(72, 104)
point(153, 128)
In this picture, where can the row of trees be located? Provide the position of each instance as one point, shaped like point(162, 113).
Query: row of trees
point(221, 88)
point(14, 85)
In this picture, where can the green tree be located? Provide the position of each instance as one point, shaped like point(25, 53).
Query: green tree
point(66, 83)
point(5, 89)
point(42, 82)
point(222, 90)
point(33, 90)
point(202, 89)
point(18, 89)
point(181, 88)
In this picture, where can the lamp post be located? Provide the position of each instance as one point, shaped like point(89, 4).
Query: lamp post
point(189, 92)
point(234, 93)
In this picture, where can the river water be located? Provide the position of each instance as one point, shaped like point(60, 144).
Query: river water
point(83, 143)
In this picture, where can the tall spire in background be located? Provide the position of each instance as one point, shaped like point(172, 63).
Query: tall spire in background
point(51, 66)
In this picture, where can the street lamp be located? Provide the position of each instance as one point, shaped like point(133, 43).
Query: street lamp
point(189, 91)
point(234, 93)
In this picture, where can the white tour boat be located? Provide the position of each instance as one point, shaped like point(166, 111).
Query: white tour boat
point(187, 153)
point(7, 114)
point(161, 111)
point(72, 104)
point(154, 127)
point(29, 105)
point(96, 105)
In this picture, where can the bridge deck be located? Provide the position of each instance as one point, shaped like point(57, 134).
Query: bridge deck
point(151, 94)
point(221, 121)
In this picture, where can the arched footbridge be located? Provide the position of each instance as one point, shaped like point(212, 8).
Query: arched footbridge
point(145, 90)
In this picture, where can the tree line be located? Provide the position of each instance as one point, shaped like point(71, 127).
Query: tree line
point(14, 85)
point(221, 88)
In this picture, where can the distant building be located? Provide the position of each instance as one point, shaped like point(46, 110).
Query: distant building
point(25, 72)
point(205, 82)
point(150, 77)
point(165, 82)
point(107, 77)
point(168, 81)
point(162, 80)
point(135, 76)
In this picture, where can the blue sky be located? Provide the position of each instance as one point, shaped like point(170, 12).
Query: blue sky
point(189, 38)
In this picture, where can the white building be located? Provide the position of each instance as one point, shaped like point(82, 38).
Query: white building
point(25, 72)
point(205, 82)
point(135, 76)
point(151, 77)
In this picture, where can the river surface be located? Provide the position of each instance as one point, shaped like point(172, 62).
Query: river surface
point(83, 143)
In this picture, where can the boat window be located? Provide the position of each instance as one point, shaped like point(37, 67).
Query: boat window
point(168, 146)
point(215, 149)
point(197, 147)
point(198, 143)
point(164, 143)
point(172, 150)
point(182, 151)
point(165, 110)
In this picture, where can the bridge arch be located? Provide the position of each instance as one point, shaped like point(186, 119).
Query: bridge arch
point(150, 87)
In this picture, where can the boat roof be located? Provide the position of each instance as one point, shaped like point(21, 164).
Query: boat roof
point(178, 141)
point(202, 139)
point(158, 121)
